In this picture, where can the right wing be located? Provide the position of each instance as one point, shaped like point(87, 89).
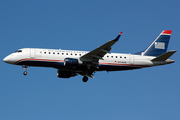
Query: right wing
point(98, 53)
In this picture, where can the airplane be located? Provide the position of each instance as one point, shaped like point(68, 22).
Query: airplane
point(70, 63)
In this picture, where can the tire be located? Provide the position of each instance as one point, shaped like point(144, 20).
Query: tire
point(85, 79)
point(25, 72)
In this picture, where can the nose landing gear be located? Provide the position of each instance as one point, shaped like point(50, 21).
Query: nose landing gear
point(25, 67)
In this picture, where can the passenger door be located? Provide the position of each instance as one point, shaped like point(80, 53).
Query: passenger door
point(131, 59)
point(32, 52)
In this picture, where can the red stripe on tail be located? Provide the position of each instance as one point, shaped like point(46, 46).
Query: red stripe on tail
point(167, 32)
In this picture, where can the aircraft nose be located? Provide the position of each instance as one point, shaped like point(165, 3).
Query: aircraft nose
point(6, 59)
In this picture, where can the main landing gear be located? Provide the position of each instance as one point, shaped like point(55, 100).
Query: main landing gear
point(85, 79)
point(25, 67)
point(87, 74)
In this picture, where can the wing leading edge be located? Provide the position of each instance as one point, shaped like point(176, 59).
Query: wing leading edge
point(98, 53)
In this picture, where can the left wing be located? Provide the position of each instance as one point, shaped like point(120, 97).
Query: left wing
point(98, 53)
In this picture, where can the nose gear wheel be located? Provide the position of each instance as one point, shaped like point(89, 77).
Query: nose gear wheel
point(25, 67)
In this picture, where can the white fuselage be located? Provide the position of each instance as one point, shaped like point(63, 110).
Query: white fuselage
point(55, 58)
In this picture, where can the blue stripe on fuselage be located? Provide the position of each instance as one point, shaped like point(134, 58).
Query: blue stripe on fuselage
point(60, 65)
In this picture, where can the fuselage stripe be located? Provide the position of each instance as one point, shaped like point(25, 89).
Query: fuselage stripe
point(47, 60)
point(117, 64)
point(101, 63)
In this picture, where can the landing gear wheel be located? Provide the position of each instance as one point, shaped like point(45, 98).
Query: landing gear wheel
point(25, 72)
point(25, 67)
point(85, 79)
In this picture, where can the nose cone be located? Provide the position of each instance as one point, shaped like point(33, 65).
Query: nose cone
point(6, 59)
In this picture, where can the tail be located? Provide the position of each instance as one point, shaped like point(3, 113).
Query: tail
point(159, 45)
point(164, 56)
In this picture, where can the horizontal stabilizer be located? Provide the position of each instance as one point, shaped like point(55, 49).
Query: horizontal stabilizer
point(164, 56)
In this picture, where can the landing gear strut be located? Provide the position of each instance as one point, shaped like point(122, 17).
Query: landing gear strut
point(85, 79)
point(25, 67)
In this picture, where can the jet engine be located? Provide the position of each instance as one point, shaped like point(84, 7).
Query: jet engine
point(65, 74)
point(71, 62)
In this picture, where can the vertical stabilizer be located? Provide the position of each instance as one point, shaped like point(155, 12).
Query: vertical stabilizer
point(159, 45)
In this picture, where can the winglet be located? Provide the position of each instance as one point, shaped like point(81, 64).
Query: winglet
point(117, 38)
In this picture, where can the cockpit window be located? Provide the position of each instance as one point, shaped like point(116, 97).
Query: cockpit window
point(18, 51)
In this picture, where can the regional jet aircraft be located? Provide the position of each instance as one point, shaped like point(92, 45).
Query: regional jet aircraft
point(70, 63)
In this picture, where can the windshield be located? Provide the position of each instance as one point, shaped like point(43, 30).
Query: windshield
point(18, 51)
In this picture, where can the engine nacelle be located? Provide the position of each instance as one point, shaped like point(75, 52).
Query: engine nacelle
point(71, 62)
point(65, 74)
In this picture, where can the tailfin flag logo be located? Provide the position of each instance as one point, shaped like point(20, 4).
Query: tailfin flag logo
point(159, 45)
